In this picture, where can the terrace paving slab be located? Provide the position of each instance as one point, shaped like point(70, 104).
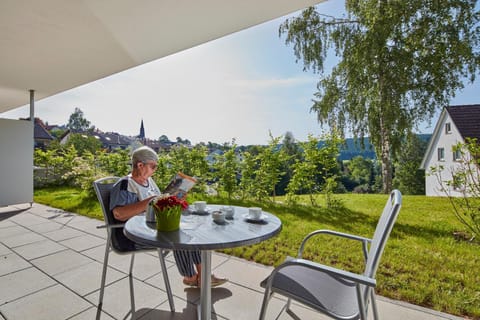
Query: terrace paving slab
point(27, 219)
point(38, 249)
point(63, 233)
point(85, 279)
point(22, 239)
point(4, 249)
point(83, 242)
point(11, 231)
point(46, 227)
point(183, 311)
point(116, 300)
point(51, 263)
point(12, 262)
point(6, 224)
point(61, 261)
point(90, 314)
point(89, 227)
point(63, 304)
point(146, 265)
point(22, 283)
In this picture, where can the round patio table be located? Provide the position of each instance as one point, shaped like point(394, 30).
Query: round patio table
point(200, 232)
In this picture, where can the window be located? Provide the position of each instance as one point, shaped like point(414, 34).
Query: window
point(457, 155)
point(448, 128)
point(441, 154)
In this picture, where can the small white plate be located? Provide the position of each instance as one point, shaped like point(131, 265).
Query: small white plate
point(262, 218)
point(201, 213)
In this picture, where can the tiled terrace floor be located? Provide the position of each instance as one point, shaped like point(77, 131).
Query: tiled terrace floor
point(50, 268)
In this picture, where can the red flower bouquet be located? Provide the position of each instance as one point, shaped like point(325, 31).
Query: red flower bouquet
point(168, 210)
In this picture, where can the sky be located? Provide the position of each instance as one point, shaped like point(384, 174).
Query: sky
point(244, 86)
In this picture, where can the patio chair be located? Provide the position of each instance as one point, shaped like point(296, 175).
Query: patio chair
point(117, 242)
point(334, 292)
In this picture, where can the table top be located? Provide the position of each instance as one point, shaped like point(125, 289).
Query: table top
point(200, 232)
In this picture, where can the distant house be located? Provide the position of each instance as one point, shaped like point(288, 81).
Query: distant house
point(41, 136)
point(159, 146)
point(211, 157)
point(112, 140)
point(455, 124)
point(109, 140)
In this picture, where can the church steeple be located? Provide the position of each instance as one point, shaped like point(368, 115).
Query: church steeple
point(142, 132)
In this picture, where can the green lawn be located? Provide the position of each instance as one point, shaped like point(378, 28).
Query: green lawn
point(423, 263)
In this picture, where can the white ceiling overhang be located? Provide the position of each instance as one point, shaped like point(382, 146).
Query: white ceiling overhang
point(54, 45)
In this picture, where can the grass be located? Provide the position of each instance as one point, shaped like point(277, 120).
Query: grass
point(422, 264)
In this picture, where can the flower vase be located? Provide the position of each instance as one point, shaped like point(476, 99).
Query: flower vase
point(168, 219)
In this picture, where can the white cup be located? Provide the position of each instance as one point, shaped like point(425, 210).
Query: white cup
point(200, 206)
point(255, 213)
point(229, 212)
point(218, 216)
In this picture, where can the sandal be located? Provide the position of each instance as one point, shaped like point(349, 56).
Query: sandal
point(192, 283)
point(215, 282)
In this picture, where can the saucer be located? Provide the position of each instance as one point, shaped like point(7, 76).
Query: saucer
point(249, 218)
point(221, 223)
point(200, 213)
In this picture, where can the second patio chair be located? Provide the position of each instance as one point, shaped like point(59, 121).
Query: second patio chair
point(117, 242)
point(337, 293)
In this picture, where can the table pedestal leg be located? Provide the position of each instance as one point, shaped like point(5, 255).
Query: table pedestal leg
point(205, 311)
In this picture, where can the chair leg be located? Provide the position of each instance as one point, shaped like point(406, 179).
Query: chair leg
point(130, 280)
point(266, 299)
point(374, 305)
point(166, 280)
point(287, 306)
point(104, 274)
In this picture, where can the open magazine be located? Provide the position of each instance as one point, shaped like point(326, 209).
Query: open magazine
point(180, 185)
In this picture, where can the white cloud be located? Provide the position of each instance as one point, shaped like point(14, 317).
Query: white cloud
point(241, 86)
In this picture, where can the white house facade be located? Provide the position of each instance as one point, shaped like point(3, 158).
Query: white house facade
point(455, 124)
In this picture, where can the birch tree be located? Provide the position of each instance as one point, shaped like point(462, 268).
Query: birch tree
point(399, 61)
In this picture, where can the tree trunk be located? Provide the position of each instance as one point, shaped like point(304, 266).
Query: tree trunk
point(387, 174)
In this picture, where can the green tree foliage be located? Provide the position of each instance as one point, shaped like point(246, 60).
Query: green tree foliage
point(163, 138)
point(57, 133)
point(182, 141)
point(55, 163)
point(163, 174)
point(361, 170)
point(399, 62)
point(77, 121)
point(247, 177)
point(409, 178)
point(227, 169)
point(293, 153)
point(84, 172)
point(270, 163)
point(191, 161)
point(83, 143)
point(114, 163)
point(313, 172)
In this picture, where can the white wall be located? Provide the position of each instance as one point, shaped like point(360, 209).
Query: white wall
point(446, 141)
point(16, 162)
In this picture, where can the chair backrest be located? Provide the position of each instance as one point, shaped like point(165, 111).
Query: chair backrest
point(102, 188)
point(382, 232)
point(118, 241)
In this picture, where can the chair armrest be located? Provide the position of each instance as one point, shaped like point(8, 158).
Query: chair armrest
point(337, 273)
point(365, 241)
point(111, 226)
